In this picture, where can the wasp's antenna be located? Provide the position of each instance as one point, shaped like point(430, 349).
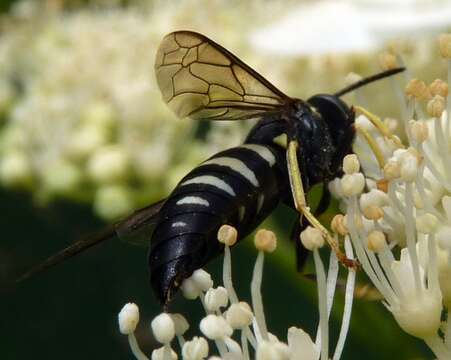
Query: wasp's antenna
point(369, 79)
point(69, 252)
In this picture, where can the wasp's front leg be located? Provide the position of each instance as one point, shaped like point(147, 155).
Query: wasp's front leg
point(298, 193)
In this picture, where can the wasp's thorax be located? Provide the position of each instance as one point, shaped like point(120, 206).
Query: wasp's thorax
point(340, 122)
point(323, 127)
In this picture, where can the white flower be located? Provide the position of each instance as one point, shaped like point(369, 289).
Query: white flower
point(312, 238)
point(15, 169)
point(195, 349)
point(239, 315)
point(301, 345)
point(215, 327)
point(352, 184)
point(202, 279)
point(128, 318)
point(160, 354)
point(418, 309)
point(414, 214)
point(216, 298)
point(181, 325)
point(113, 201)
point(84, 102)
point(265, 240)
point(271, 350)
point(163, 328)
point(109, 164)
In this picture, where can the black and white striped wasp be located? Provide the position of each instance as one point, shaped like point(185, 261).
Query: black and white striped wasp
point(294, 145)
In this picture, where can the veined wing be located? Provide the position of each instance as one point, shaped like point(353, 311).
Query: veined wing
point(200, 79)
point(137, 228)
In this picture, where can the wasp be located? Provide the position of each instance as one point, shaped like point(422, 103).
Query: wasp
point(294, 145)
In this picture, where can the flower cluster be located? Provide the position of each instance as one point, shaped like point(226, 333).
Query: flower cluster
point(234, 326)
point(404, 202)
point(83, 116)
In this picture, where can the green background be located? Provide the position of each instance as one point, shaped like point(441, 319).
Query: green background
point(70, 312)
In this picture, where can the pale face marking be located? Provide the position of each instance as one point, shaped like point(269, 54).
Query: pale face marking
point(211, 180)
point(236, 165)
point(193, 200)
point(281, 140)
point(262, 151)
point(178, 224)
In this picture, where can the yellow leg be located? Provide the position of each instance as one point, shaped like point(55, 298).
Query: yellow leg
point(297, 190)
point(377, 122)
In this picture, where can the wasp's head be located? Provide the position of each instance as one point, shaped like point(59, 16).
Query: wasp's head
point(340, 122)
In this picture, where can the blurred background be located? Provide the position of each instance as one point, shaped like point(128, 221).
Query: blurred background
point(85, 139)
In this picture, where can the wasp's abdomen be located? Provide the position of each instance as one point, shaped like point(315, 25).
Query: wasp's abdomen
point(239, 186)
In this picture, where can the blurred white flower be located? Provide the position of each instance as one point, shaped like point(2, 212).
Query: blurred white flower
point(326, 27)
point(82, 109)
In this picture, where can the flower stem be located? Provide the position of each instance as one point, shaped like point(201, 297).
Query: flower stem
point(227, 275)
point(135, 348)
point(323, 339)
point(257, 302)
point(349, 296)
point(438, 348)
point(411, 239)
point(244, 346)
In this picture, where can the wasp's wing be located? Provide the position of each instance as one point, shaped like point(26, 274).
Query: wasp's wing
point(136, 228)
point(200, 79)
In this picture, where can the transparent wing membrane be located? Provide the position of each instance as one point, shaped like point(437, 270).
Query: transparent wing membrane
point(136, 229)
point(200, 79)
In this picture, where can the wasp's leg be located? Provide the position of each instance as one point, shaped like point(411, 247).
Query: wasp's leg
point(297, 190)
point(380, 126)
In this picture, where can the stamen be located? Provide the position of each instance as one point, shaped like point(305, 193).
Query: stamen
point(411, 239)
point(362, 253)
point(135, 348)
point(228, 236)
point(257, 302)
point(323, 340)
point(437, 347)
point(442, 146)
point(433, 281)
point(332, 274)
point(244, 346)
point(448, 101)
point(331, 284)
point(128, 319)
point(386, 258)
point(373, 145)
point(349, 296)
point(433, 169)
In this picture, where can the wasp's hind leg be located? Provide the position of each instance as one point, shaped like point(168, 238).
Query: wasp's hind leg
point(298, 193)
